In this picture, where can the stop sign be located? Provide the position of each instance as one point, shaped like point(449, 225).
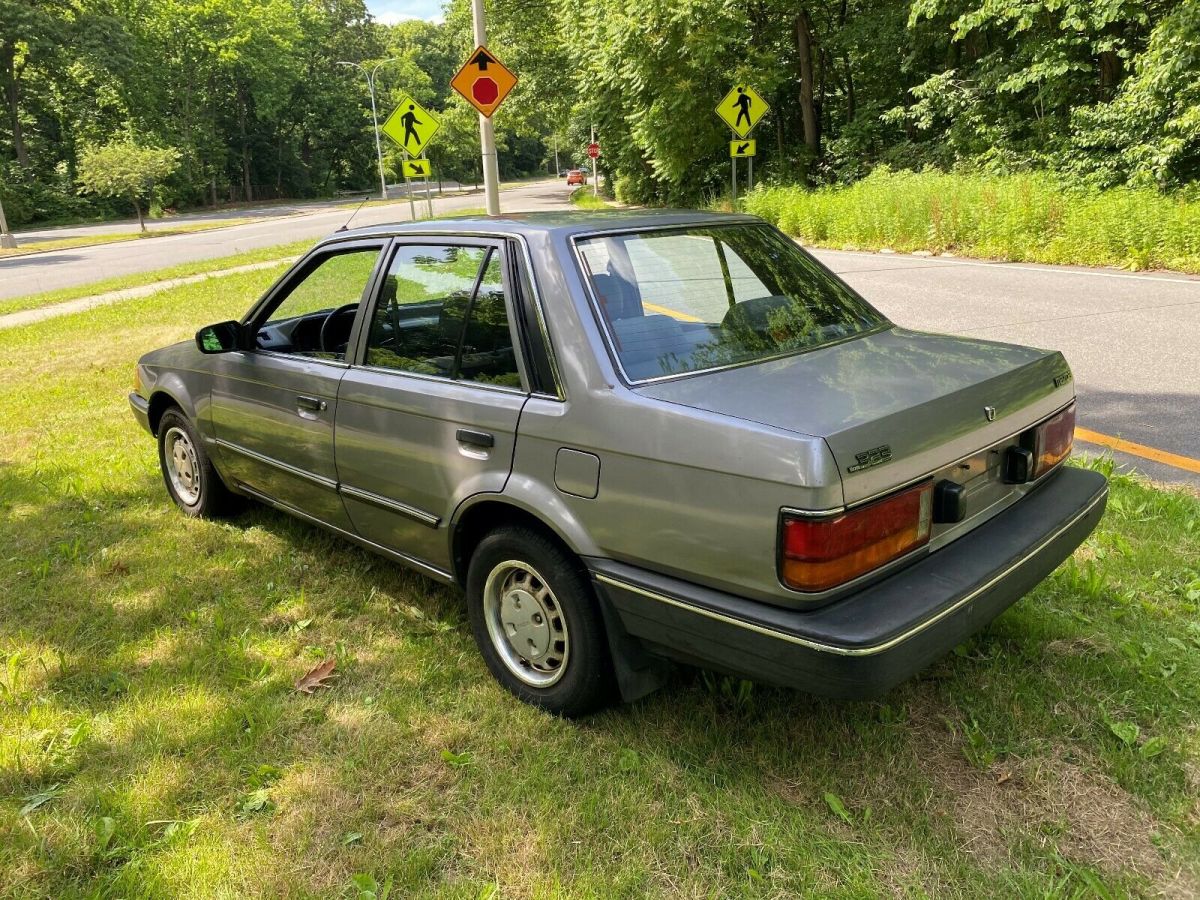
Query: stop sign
point(593, 150)
point(485, 90)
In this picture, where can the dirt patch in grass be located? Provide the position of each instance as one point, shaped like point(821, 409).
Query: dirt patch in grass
point(1067, 805)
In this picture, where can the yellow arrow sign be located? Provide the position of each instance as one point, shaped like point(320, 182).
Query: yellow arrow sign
point(741, 109)
point(738, 149)
point(484, 81)
point(411, 125)
point(416, 168)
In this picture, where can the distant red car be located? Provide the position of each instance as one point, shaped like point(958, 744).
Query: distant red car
point(575, 176)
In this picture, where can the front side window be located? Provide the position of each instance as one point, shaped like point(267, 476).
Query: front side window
point(442, 312)
point(315, 315)
point(685, 300)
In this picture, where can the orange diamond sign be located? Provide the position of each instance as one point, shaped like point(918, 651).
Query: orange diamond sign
point(484, 81)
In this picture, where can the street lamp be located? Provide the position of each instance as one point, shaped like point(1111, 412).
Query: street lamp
point(370, 75)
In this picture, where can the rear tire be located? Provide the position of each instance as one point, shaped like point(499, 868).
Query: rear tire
point(191, 479)
point(536, 622)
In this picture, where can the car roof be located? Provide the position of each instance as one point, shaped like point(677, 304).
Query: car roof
point(564, 223)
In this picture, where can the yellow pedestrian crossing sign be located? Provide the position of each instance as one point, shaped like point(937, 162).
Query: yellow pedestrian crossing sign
point(741, 109)
point(411, 126)
point(416, 168)
point(739, 149)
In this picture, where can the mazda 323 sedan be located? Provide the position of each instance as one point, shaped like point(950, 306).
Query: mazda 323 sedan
point(633, 438)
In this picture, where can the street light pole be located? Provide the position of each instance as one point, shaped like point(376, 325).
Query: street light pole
point(487, 135)
point(370, 76)
point(7, 241)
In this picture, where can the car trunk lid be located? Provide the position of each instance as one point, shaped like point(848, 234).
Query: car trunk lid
point(893, 406)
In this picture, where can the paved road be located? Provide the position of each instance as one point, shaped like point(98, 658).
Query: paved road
point(21, 275)
point(32, 237)
point(1131, 339)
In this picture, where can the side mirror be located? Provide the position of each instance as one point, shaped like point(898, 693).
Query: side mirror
point(220, 338)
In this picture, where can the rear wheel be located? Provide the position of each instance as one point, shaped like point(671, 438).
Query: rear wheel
point(537, 624)
point(188, 473)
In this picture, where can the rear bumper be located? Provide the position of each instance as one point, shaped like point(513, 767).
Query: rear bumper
point(867, 643)
point(141, 410)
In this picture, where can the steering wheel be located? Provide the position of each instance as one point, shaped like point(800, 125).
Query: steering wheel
point(323, 339)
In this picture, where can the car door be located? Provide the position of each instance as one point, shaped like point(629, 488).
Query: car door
point(273, 407)
point(428, 414)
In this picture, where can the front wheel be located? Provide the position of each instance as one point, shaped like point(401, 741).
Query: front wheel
point(188, 473)
point(535, 619)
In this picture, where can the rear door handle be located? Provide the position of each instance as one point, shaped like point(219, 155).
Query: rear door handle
point(475, 438)
point(316, 404)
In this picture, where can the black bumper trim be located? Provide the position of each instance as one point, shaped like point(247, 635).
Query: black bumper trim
point(864, 644)
point(141, 410)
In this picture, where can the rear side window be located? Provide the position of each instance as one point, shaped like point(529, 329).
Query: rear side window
point(684, 300)
point(442, 312)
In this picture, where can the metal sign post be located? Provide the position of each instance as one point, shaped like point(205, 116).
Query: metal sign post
point(484, 82)
point(741, 109)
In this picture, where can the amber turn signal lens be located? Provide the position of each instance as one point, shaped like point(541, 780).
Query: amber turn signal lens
point(818, 554)
point(1053, 440)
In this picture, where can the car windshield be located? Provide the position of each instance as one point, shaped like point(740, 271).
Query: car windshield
point(689, 299)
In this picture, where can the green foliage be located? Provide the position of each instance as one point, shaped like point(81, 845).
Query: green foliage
point(124, 169)
point(1031, 218)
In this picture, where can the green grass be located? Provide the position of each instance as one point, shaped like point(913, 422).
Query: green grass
point(583, 198)
point(89, 240)
point(150, 731)
point(1028, 218)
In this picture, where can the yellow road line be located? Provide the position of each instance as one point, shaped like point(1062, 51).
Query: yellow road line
point(1160, 456)
point(673, 313)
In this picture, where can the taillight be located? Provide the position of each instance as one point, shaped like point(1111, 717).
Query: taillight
point(818, 554)
point(1052, 441)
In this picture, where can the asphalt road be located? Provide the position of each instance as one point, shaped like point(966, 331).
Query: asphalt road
point(1131, 339)
point(30, 238)
point(37, 272)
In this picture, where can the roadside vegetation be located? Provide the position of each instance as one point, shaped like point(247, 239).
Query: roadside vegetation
point(583, 198)
point(1027, 218)
point(152, 741)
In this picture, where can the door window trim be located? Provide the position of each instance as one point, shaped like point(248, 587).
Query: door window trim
point(360, 333)
point(300, 270)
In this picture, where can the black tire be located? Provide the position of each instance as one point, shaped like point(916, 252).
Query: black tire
point(584, 681)
point(209, 497)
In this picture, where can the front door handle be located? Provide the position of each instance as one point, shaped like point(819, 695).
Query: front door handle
point(316, 404)
point(475, 438)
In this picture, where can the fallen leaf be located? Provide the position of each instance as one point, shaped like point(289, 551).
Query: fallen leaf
point(1003, 777)
point(317, 677)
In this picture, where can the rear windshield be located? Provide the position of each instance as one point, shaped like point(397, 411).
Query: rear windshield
point(684, 300)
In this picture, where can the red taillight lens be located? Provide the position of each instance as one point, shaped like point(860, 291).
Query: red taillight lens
point(818, 554)
point(1052, 441)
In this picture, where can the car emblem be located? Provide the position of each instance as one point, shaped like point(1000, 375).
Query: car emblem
point(876, 456)
point(990, 412)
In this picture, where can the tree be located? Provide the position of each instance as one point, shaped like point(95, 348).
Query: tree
point(125, 170)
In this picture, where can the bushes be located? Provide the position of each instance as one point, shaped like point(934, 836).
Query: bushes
point(1027, 218)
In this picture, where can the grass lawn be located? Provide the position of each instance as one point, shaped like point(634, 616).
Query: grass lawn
point(89, 240)
point(583, 198)
point(152, 744)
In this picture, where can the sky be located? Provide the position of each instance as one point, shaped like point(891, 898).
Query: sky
point(393, 11)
